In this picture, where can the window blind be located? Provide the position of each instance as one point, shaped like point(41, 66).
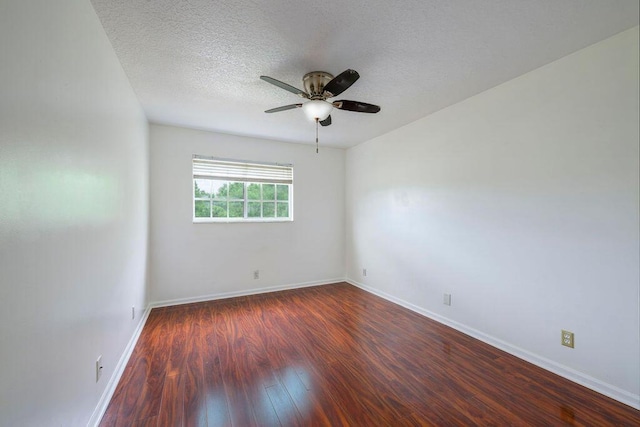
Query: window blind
point(239, 170)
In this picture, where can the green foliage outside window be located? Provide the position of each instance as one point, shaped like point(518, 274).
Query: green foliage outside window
point(220, 199)
point(236, 190)
point(283, 192)
point(253, 191)
point(283, 210)
point(254, 209)
point(268, 191)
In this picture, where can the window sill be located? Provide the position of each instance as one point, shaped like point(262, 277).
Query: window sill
point(239, 220)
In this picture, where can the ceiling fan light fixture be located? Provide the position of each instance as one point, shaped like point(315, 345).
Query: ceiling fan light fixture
point(317, 109)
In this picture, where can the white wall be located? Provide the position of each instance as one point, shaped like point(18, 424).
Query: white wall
point(73, 211)
point(212, 259)
point(522, 202)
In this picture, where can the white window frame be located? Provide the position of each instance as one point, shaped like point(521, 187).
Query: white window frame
point(247, 172)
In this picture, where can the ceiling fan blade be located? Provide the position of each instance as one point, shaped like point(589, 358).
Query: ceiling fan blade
point(341, 82)
point(285, 86)
point(359, 107)
point(326, 122)
point(284, 108)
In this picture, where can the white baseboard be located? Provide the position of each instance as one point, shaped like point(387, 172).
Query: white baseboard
point(233, 294)
point(594, 384)
point(103, 403)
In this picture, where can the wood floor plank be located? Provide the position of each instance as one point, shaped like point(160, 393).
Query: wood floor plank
point(215, 395)
point(195, 398)
point(231, 353)
point(283, 405)
point(307, 404)
point(335, 355)
point(147, 422)
point(149, 401)
point(313, 403)
point(172, 409)
point(310, 362)
point(178, 344)
point(256, 361)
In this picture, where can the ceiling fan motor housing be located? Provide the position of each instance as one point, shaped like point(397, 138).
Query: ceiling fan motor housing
point(314, 83)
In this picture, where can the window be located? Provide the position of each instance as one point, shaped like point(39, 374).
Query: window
point(235, 190)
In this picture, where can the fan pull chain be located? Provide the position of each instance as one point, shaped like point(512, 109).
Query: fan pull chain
point(316, 135)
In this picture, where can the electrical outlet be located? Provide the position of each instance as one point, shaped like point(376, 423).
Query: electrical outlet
point(133, 312)
point(567, 339)
point(364, 272)
point(99, 368)
point(256, 274)
point(446, 300)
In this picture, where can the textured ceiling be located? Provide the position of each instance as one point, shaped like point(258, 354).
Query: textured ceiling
point(197, 63)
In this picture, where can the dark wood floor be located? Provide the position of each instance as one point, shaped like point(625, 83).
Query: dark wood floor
point(335, 355)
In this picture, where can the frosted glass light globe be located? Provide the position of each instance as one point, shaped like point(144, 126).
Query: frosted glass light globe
point(317, 109)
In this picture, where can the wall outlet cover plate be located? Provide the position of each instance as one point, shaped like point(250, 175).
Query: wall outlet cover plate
point(567, 339)
point(98, 368)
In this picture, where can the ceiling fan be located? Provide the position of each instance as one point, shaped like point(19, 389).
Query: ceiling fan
point(319, 86)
